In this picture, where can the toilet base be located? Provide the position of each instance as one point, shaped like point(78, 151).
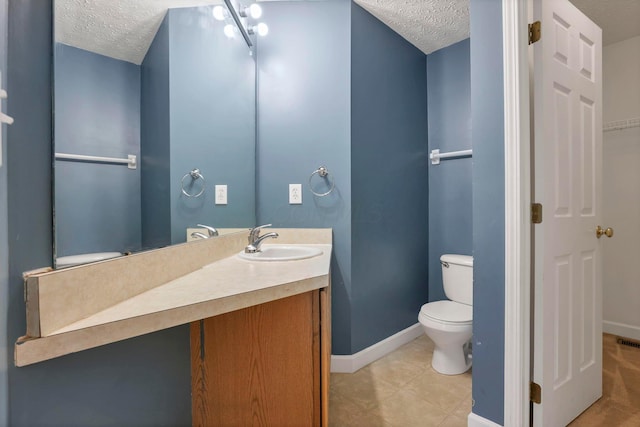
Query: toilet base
point(452, 360)
point(452, 344)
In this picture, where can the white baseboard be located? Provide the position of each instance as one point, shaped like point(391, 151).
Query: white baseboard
point(350, 364)
point(474, 420)
point(621, 329)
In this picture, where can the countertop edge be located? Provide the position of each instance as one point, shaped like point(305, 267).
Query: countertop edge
point(32, 350)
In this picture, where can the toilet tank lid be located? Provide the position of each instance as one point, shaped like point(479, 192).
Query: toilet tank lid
point(465, 260)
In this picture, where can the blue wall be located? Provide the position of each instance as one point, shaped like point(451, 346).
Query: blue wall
point(303, 123)
point(389, 181)
point(198, 111)
point(212, 113)
point(138, 382)
point(311, 113)
point(487, 110)
point(450, 192)
point(4, 241)
point(97, 113)
point(155, 142)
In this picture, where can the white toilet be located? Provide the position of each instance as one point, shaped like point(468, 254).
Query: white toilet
point(449, 323)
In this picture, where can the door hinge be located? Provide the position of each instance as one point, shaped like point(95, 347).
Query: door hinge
point(534, 32)
point(535, 392)
point(536, 213)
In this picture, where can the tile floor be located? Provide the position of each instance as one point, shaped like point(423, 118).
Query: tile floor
point(400, 390)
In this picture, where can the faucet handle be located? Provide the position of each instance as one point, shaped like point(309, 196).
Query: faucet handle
point(212, 231)
point(262, 226)
point(255, 232)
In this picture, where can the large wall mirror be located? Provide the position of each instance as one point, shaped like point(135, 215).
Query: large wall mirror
point(158, 80)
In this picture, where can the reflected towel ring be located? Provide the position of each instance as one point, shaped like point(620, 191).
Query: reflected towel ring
point(195, 175)
point(324, 173)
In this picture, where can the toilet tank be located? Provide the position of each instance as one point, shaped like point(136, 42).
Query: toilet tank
point(457, 277)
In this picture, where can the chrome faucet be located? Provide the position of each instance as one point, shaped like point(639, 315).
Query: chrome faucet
point(199, 235)
point(255, 239)
point(212, 231)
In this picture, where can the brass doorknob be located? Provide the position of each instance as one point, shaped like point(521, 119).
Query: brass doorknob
point(600, 231)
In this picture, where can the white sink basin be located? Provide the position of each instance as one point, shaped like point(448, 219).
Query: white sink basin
point(282, 253)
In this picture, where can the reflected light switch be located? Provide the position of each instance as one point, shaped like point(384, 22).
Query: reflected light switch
point(221, 194)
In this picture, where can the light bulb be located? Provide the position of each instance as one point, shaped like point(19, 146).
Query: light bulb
point(255, 11)
point(262, 29)
point(218, 13)
point(229, 31)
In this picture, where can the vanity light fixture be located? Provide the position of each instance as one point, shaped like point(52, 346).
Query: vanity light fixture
point(261, 29)
point(221, 13)
point(254, 11)
point(242, 17)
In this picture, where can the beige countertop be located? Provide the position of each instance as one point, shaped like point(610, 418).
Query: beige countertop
point(87, 306)
point(229, 278)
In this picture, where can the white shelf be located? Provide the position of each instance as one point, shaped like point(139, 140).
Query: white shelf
point(621, 124)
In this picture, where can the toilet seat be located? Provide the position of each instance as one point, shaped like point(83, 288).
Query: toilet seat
point(448, 312)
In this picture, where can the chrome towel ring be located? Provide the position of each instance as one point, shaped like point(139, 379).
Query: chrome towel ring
point(322, 172)
point(195, 175)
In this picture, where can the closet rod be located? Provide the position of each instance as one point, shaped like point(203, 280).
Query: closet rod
point(131, 160)
point(436, 155)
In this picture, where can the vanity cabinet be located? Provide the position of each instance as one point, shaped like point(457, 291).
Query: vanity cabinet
point(265, 365)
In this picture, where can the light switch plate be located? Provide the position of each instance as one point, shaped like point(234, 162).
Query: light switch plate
point(295, 194)
point(221, 194)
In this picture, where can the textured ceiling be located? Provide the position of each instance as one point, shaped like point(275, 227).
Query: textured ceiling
point(119, 29)
point(434, 24)
point(428, 24)
point(124, 29)
point(619, 19)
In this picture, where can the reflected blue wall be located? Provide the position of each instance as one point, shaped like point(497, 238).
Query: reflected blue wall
point(450, 189)
point(198, 112)
point(212, 113)
point(155, 142)
point(389, 181)
point(195, 108)
point(97, 113)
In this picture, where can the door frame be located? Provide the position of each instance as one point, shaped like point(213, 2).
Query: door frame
point(518, 179)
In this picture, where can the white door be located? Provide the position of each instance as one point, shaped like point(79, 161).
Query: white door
point(567, 355)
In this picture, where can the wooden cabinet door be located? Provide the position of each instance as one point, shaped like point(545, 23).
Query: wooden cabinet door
point(259, 366)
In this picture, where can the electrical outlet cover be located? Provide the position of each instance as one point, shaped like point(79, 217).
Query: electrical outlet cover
point(295, 194)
